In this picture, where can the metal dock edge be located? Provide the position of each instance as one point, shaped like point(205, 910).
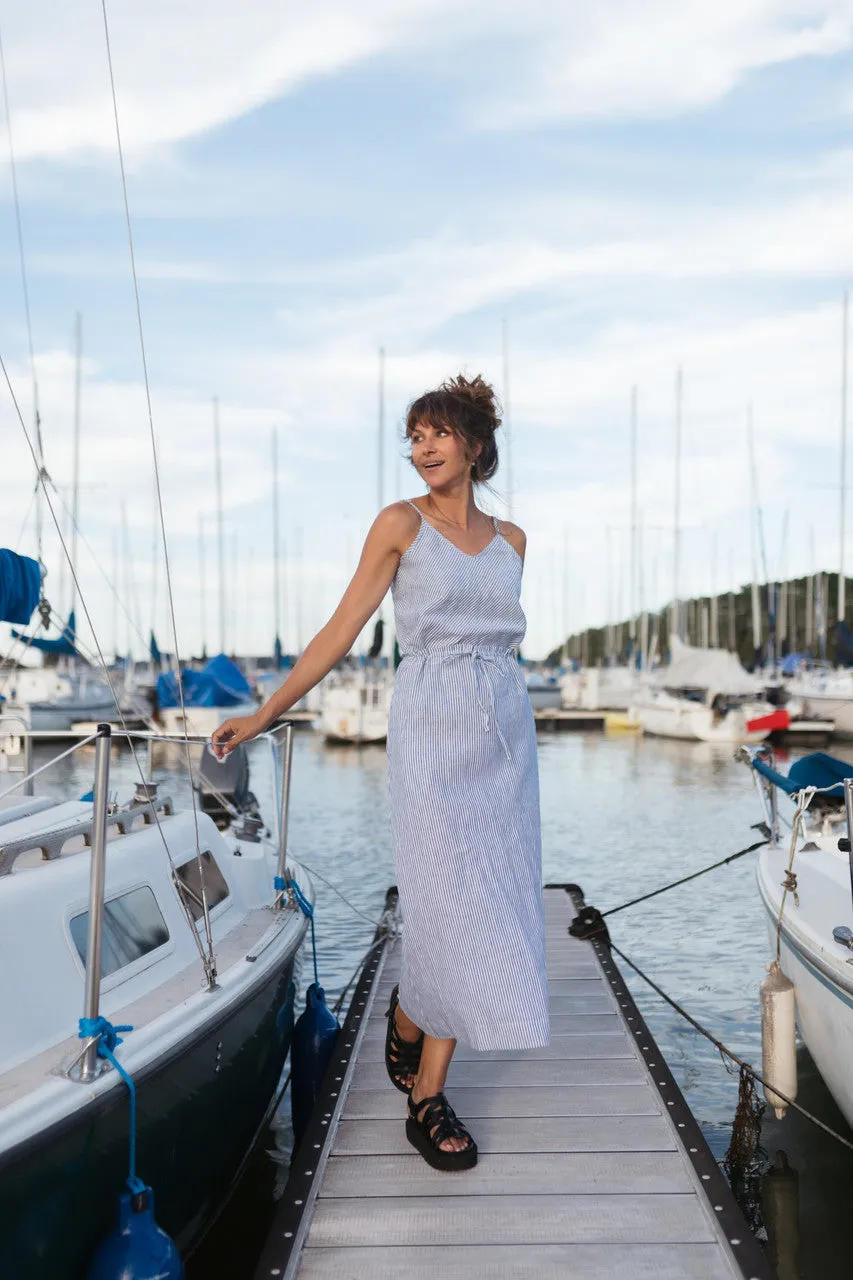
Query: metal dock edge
point(591, 1163)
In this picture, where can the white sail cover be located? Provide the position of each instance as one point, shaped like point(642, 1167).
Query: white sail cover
point(716, 670)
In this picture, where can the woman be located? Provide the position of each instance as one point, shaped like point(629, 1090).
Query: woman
point(463, 781)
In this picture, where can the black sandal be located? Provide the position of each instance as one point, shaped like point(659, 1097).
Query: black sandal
point(402, 1057)
point(431, 1122)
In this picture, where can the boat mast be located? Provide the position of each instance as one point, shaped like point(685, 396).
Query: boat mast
point(675, 621)
point(75, 478)
point(566, 623)
point(506, 417)
point(715, 603)
point(220, 531)
point(843, 483)
point(201, 582)
point(380, 431)
point(276, 550)
point(753, 519)
point(633, 556)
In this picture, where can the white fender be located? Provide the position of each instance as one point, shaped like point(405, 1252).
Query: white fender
point(778, 1038)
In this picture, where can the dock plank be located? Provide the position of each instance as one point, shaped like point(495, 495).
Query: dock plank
point(531, 1072)
point(547, 1100)
point(518, 1262)
point(510, 1219)
point(615, 1045)
point(530, 1133)
point(525, 1173)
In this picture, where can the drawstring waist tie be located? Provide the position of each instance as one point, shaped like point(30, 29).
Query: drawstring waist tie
point(482, 658)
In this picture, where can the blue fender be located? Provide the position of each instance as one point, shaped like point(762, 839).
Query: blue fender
point(138, 1249)
point(314, 1038)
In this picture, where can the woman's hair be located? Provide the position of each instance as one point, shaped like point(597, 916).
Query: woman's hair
point(469, 409)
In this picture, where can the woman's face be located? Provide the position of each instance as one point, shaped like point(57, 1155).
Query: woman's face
point(439, 456)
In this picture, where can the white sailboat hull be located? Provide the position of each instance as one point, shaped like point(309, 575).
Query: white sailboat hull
point(355, 710)
point(828, 706)
point(669, 717)
point(817, 966)
point(201, 721)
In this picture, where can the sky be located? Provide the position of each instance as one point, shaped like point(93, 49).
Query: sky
point(574, 200)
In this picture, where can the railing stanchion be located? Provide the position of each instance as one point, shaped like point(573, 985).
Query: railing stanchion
point(281, 869)
point(149, 760)
point(92, 998)
point(848, 806)
point(28, 764)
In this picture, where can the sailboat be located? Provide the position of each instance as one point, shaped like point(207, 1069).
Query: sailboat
point(705, 695)
point(219, 689)
point(198, 954)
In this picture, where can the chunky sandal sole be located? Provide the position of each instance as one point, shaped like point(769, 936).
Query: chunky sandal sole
point(415, 1044)
point(444, 1161)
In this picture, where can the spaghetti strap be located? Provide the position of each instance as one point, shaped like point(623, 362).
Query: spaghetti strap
point(495, 521)
point(412, 504)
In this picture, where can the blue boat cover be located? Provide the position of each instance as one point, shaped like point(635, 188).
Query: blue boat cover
point(63, 647)
point(20, 586)
point(815, 770)
point(219, 684)
point(792, 664)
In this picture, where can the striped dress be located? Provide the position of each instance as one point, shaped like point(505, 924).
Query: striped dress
point(464, 793)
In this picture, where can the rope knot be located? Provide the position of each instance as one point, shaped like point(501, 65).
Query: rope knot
point(789, 884)
point(107, 1034)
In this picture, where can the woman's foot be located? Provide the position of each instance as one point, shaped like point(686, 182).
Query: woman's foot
point(404, 1043)
point(435, 1130)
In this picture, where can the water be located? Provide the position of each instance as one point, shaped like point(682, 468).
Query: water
point(621, 815)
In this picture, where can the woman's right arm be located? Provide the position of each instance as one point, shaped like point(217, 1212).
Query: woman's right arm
point(392, 531)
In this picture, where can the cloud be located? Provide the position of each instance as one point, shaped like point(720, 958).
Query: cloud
point(183, 70)
point(663, 57)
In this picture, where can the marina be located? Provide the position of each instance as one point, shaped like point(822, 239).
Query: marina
point(673, 937)
point(425, 647)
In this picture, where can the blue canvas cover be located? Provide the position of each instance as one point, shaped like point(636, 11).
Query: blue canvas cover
point(219, 684)
point(65, 646)
point(815, 770)
point(20, 586)
point(792, 663)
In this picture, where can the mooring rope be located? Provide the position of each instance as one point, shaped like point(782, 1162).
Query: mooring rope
point(741, 853)
point(726, 1052)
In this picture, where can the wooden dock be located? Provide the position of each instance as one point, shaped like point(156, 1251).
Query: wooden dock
point(591, 1165)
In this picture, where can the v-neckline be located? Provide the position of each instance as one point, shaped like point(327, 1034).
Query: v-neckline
point(472, 555)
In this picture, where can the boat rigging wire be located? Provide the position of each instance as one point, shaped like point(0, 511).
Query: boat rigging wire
point(725, 1052)
point(343, 898)
point(26, 518)
point(63, 755)
point(25, 287)
point(157, 486)
point(207, 961)
point(7, 658)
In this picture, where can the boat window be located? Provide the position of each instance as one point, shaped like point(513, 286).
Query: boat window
point(133, 926)
point(188, 883)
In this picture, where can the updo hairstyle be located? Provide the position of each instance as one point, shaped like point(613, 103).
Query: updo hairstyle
point(467, 408)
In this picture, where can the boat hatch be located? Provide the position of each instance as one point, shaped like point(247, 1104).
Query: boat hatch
point(133, 925)
point(188, 882)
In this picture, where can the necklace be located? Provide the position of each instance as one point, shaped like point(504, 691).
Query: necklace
point(453, 523)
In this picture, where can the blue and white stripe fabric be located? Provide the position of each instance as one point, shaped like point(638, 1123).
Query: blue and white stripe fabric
point(464, 792)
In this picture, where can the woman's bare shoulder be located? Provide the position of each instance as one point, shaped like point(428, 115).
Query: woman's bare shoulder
point(398, 524)
point(515, 536)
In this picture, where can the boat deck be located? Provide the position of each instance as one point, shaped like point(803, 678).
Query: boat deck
point(591, 1164)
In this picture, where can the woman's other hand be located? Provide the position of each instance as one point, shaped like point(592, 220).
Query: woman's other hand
point(232, 732)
